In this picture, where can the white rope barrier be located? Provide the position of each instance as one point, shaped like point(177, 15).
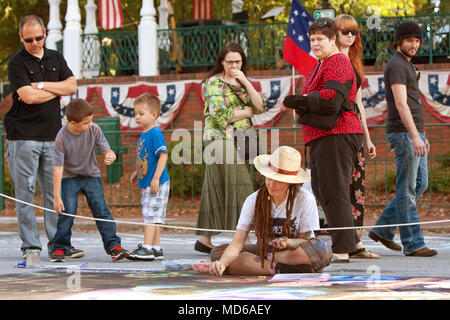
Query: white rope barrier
point(215, 230)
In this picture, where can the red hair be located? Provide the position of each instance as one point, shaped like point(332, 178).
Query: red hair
point(355, 52)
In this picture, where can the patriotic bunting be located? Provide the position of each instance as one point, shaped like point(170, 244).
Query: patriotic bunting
point(274, 91)
point(435, 93)
point(374, 99)
point(117, 99)
point(434, 89)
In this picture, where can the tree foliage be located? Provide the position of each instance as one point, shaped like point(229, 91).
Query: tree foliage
point(11, 11)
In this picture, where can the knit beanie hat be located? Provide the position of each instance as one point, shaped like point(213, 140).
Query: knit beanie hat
point(408, 29)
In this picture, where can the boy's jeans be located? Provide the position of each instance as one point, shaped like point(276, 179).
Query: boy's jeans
point(412, 181)
point(92, 188)
point(30, 161)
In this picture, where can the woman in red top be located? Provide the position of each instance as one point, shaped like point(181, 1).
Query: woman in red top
point(350, 44)
point(331, 84)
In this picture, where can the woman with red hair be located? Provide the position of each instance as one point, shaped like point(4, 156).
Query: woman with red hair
point(349, 43)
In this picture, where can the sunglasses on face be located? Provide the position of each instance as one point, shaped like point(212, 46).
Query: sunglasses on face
point(30, 40)
point(346, 32)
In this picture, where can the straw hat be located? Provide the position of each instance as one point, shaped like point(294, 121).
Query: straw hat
point(283, 165)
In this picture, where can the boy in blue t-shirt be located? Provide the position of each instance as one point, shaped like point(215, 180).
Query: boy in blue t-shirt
point(151, 175)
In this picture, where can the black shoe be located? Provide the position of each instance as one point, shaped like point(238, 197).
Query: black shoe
point(72, 253)
point(200, 247)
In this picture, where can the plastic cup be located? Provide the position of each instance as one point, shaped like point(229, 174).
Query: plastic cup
point(33, 258)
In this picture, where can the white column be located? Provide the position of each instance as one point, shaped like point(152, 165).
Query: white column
point(163, 38)
point(91, 43)
point(148, 44)
point(54, 26)
point(72, 38)
point(163, 11)
point(237, 5)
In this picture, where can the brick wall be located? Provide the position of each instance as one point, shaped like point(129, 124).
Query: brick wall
point(192, 109)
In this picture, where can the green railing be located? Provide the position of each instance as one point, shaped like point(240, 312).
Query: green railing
point(198, 46)
point(187, 179)
point(111, 53)
point(377, 39)
point(5, 87)
point(195, 48)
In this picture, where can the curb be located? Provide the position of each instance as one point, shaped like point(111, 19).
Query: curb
point(10, 224)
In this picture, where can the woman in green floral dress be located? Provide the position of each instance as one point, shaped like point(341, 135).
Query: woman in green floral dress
point(230, 101)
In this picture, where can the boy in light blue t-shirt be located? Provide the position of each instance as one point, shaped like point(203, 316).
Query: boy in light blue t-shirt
point(151, 175)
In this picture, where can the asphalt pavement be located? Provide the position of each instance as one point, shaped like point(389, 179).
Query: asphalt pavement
point(100, 278)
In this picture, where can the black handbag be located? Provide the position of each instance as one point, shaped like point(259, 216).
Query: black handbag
point(322, 113)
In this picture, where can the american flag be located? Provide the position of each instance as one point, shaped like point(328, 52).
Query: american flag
point(202, 9)
point(296, 46)
point(111, 16)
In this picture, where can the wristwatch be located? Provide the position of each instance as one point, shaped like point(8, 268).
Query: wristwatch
point(40, 85)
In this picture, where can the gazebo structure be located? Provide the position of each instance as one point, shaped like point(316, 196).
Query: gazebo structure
point(72, 33)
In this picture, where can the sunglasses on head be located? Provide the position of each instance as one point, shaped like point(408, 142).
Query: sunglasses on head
point(346, 32)
point(30, 40)
point(323, 22)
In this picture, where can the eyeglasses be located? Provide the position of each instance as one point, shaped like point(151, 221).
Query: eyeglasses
point(30, 40)
point(231, 62)
point(346, 32)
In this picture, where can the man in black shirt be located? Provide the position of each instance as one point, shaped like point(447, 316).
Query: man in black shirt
point(38, 78)
point(405, 132)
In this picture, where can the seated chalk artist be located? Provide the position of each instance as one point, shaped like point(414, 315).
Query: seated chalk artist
point(284, 217)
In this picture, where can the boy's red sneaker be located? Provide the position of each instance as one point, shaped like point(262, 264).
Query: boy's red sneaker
point(57, 256)
point(118, 253)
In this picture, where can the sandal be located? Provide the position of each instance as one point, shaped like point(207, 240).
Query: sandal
point(363, 253)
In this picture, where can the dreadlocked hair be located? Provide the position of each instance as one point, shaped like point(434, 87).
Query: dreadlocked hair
point(263, 219)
